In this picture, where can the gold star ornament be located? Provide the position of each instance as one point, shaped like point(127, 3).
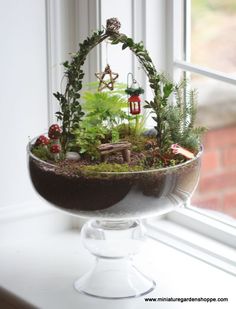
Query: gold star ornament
point(106, 83)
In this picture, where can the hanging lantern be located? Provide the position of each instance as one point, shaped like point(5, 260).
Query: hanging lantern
point(134, 100)
point(134, 104)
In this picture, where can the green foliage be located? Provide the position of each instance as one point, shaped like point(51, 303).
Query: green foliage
point(181, 118)
point(175, 121)
point(115, 136)
point(41, 152)
point(109, 110)
point(87, 139)
point(138, 142)
point(134, 127)
point(134, 91)
point(104, 121)
point(137, 123)
point(105, 108)
point(152, 161)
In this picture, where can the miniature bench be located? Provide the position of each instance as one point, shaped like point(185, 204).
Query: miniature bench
point(109, 148)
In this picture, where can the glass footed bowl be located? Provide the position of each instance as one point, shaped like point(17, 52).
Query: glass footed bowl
point(115, 195)
point(114, 202)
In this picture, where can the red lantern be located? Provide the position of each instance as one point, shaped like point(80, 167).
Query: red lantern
point(134, 90)
point(134, 104)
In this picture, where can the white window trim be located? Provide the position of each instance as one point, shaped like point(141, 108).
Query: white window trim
point(206, 224)
point(186, 238)
point(193, 68)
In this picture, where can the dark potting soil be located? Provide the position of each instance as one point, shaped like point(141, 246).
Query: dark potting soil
point(103, 191)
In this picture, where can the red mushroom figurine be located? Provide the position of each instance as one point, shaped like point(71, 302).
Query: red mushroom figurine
point(42, 140)
point(55, 149)
point(54, 131)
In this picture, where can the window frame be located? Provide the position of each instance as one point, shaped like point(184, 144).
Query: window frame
point(181, 32)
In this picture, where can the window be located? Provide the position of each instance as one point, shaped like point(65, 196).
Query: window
point(206, 57)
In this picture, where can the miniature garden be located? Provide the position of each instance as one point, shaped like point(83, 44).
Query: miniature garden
point(104, 128)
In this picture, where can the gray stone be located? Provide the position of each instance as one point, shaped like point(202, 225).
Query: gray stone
point(72, 156)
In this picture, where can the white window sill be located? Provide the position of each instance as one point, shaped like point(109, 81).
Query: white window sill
point(40, 270)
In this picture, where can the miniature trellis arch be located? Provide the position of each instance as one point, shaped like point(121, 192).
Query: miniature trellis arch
point(70, 100)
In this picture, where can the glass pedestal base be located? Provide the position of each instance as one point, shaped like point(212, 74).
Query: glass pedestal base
point(114, 243)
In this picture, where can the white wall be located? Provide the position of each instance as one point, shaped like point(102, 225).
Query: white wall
point(61, 21)
point(23, 95)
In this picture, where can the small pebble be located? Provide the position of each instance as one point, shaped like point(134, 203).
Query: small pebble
point(72, 156)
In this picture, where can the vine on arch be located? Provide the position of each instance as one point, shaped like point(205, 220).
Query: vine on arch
point(71, 111)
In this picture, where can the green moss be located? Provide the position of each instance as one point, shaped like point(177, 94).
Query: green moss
point(44, 154)
point(152, 162)
point(138, 142)
point(110, 167)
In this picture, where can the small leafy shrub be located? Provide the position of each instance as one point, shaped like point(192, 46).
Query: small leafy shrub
point(105, 108)
point(87, 139)
point(41, 152)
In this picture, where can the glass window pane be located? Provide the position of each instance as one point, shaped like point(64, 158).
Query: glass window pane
point(213, 39)
point(217, 111)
